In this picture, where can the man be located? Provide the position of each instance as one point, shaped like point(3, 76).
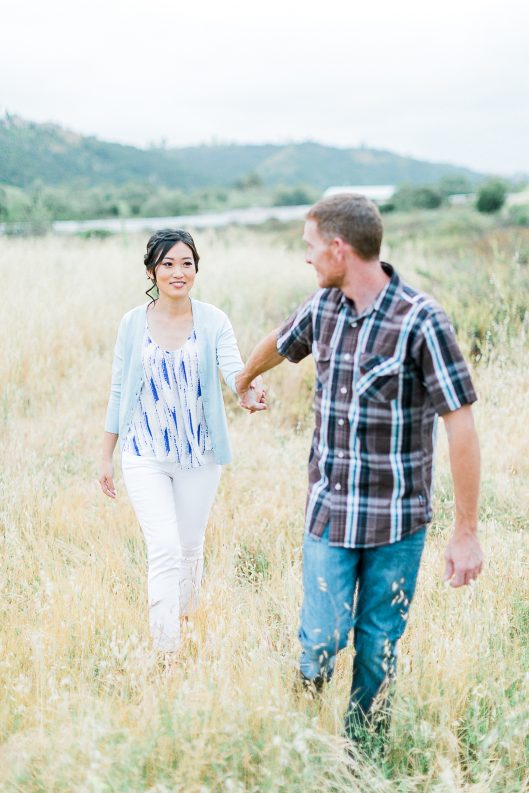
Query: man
point(387, 363)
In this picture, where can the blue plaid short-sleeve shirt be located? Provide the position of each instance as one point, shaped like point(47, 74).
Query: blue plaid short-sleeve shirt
point(382, 378)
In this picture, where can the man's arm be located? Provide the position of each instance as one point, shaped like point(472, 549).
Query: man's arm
point(463, 555)
point(264, 357)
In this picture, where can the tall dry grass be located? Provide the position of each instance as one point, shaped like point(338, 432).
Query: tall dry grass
point(85, 705)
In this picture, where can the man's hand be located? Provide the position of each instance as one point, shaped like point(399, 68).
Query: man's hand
point(464, 559)
point(251, 397)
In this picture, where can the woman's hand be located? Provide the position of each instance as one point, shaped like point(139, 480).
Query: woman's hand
point(106, 478)
point(106, 470)
point(259, 389)
point(253, 397)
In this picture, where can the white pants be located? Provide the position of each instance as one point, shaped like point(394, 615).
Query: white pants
point(172, 506)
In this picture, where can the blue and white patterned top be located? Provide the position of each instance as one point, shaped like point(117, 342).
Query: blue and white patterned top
point(169, 422)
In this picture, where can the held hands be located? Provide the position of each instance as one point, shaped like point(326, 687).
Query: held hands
point(251, 397)
point(464, 559)
point(106, 479)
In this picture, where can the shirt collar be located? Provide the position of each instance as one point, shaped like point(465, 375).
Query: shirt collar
point(385, 298)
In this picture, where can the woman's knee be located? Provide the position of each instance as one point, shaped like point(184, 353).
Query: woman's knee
point(164, 558)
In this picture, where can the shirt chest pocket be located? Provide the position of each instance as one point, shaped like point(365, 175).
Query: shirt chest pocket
point(378, 377)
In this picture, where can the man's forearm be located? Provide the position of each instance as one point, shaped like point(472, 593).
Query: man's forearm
point(263, 357)
point(465, 466)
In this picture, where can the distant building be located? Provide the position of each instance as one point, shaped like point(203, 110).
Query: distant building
point(458, 199)
point(376, 192)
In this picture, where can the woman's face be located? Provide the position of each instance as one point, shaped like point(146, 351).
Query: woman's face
point(175, 274)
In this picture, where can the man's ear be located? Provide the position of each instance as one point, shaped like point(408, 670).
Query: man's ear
point(339, 247)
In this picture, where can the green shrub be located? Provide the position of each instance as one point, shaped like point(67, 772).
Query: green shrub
point(491, 195)
point(295, 196)
point(421, 197)
point(248, 182)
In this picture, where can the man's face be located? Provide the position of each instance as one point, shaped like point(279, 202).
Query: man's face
point(323, 255)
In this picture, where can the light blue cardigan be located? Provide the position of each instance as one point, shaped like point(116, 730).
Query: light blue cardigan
point(217, 348)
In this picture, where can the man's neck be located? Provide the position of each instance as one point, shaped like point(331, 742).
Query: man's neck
point(364, 282)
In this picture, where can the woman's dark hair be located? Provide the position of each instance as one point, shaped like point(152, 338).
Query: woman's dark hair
point(158, 246)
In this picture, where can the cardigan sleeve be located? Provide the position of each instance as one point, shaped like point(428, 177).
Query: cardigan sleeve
point(112, 415)
point(229, 358)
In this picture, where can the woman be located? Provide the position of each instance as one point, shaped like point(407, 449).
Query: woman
point(167, 409)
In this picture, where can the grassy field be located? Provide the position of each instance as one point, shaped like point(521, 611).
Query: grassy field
point(86, 706)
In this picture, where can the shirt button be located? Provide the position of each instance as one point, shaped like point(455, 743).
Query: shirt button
point(343, 390)
point(340, 422)
point(337, 486)
point(347, 357)
point(340, 455)
point(353, 324)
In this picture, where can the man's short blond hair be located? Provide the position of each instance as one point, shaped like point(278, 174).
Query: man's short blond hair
point(353, 218)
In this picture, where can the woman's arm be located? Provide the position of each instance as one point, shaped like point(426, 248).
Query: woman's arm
point(230, 363)
point(229, 358)
point(112, 416)
point(106, 468)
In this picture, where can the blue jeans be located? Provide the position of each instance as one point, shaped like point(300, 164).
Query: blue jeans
point(384, 579)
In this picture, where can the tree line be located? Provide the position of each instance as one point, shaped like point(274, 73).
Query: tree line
point(35, 208)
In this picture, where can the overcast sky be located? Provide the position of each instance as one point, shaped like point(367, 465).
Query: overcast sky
point(445, 81)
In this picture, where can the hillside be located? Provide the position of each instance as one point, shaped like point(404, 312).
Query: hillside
point(31, 152)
